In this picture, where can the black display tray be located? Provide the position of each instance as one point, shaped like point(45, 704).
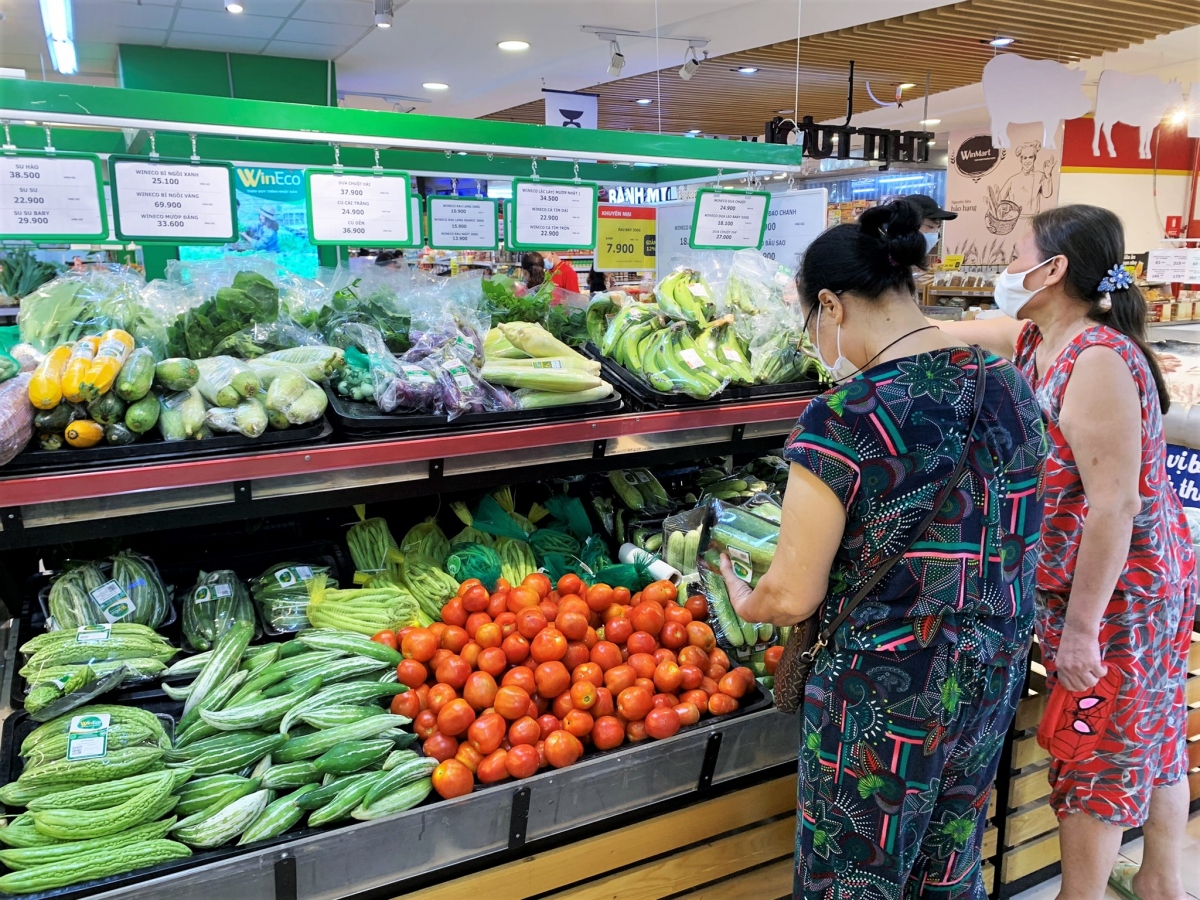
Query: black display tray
point(359, 418)
point(649, 398)
point(101, 456)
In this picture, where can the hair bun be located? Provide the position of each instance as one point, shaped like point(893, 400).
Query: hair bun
point(896, 231)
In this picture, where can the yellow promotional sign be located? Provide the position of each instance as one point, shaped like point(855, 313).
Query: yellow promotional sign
point(625, 238)
point(952, 262)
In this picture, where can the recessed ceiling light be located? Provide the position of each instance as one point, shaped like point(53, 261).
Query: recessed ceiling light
point(931, 121)
point(747, 70)
point(785, 112)
point(513, 46)
point(435, 86)
point(1000, 41)
point(643, 102)
point(694, 131)
point(907, 85)
point(232, 6)
point(383, 13)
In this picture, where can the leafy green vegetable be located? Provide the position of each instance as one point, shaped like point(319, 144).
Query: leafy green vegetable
point(199, 332)
point(23, 273)
point(568, 324)
point(377, 308)
point(506, 306)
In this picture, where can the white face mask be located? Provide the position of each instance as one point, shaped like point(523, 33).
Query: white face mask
point(842, 369)
point(1011, 294)
point(931, 239)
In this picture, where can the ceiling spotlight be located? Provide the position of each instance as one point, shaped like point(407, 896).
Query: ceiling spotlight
point(690, 64)
point(907, 85)
point(513, 46)
point(785, 112)
point(59, 26)
point(383, 13)
point(746, 70)
point(617, 63)
point(435, 86)
point(232, 6)
point(643, 102)
point(931, 121)
point(999, 41)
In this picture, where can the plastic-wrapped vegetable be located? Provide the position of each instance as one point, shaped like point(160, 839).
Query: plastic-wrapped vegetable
point(463, 389)
point(215, 603)
point(225, 381)
point(281, 594)
point(469, 560)
point(316, 362)
point(248, 418)
point(426, 538)
point(181, 415)
point(295, 397)
point(16, 416)
point(71, 600)
point(143, 585)
point(367, 611)
point(371, 544)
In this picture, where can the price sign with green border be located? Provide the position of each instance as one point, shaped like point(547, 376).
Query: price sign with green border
point(52, 197)
point(554, 215)
point(462, 223)
point(173, 200)
point(359, 206)
point(729, 220)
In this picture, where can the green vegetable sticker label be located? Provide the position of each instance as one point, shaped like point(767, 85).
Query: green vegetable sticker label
point(548, 364)
point(740, 559)
point(460, 375)
point(293, 575)
point(453, 565)
point(202, 594)
point(782, 276)
point(93, 634)
point(113, 601)
point(222, 590)
point(176, 400)
point(87, 737)
point(416, 375)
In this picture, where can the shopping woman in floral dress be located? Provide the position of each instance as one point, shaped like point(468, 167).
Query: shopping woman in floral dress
point(1116, 577)
point(906, 710)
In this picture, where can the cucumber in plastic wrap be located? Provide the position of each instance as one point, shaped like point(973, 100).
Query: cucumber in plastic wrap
point(215, 603)
point(144, 587)
point(281, 595)
point(71, 603)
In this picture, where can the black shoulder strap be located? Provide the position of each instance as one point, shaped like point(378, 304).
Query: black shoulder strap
point(943, 495)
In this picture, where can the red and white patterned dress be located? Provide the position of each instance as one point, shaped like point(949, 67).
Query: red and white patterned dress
point(1147, 626)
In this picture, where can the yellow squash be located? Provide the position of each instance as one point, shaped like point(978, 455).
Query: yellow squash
point(84, 433)
point(83, 352)
point(45, 387)
point(115, 345)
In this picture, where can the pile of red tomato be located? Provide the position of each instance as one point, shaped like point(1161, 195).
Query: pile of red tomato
point(530, 675)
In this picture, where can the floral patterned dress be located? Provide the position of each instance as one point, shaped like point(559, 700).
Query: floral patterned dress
point(905, 715)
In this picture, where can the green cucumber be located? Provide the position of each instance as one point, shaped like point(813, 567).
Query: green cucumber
point(235, 758)
point(313, 745)
point(340, 714)
point(351, 756)
point(216, 699)
point(224, 662)
point(344, 693)
point(349, 643)
point(219, 802)
point(198, 795)
point(404, 797)
point(290, 775)
point(341, 806)
point(267, 713)
point(328, 790)
point(409, 770)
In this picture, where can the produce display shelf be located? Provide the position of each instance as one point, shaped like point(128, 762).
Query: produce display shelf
point(327, 473)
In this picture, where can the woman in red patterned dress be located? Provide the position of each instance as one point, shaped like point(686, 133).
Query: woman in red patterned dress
point(1116, 575)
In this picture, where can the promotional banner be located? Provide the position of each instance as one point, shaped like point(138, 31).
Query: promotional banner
point(625, 238)
point(996, 191)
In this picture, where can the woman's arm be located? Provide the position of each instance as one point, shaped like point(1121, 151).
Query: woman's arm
point(794, 586)
point(998, 335)
point(1102, 422)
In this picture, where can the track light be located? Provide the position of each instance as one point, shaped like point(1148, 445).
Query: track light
point(233, 6)
point(60, 35)
point(690, 64)
point(383, 13)
point(617, 63)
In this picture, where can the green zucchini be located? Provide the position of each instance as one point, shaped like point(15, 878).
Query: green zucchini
point(136, 376)
point(107, 409)
point(92, 865)
point(176, 373)
point(142, 415)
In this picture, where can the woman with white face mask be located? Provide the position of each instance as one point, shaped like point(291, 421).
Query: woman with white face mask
point(1116, 576)
point(921, 467)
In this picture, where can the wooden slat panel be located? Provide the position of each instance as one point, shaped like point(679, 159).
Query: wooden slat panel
point(705, 863)
point(1193, 723)
point(1027, 751)
point(1193, 662)
point(1193, 754)
point(769, 882)
point(991, 812)
point(551, 870)
point(1029, 712)
point(1028, 859)
point(1026, 788)
point(988, 873)
point(1192, 691)
point(1029, 823)
point(990, 842)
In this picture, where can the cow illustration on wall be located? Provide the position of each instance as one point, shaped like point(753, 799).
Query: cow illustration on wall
point(1140, 101)
point(1019, 90)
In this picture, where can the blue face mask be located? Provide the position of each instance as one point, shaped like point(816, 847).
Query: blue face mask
point(931, 239)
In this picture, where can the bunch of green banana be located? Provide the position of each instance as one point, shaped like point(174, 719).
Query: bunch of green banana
point(623, 319)
point(779, 360)
point(720, 342)
point(671, 362)
point(684, 294)
point(739, 295)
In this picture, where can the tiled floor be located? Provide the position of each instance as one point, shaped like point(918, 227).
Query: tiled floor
point(1133, 851)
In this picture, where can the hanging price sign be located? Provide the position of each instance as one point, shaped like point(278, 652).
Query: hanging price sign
point(729, 220)
point(1166, 265)
point(51, 197)
point(172, 200)
point(418, 231)
point(554, 215)
point(625, 238)
point(462, 223)
point(358, 206)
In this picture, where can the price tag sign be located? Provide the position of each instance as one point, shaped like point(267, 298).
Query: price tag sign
point(554, 215)
point(172, 200)
point(793, 222)
point(1191, 274)
point(729, 220)
point(461, 223)
point(508, 224)
point(52, 197)
point(626, 238)
point(1167, 265)
point(359, 206)
point(418, 229)
point(952, 262)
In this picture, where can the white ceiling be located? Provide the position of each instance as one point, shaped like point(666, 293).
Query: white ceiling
point(452, 41)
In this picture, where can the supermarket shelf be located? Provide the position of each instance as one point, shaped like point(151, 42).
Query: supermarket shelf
point(41, 509)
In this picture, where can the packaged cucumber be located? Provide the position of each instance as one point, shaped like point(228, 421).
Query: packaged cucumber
point(217, 601)
point(281, 595)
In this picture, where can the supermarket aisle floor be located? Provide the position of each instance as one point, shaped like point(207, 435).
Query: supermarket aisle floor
point(1133, 851)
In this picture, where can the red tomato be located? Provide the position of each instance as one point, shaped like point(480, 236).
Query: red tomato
point(522, 761)
point(660, 592)
point(497, 604)
point(549, 610)
point(552, 678)
point(678, 614)
point(469, 757)
point(471, 654)
point(475, 598)
point(697, 606)
point(690, 677)
point(438, 658)
point(493, 661)
point(636, 731)
point(455, 718)
point(453, 671)
point(646, 684)
point(423, 693)
point(419, 644)
point(407, 704)
point(454, 613)
point(492, 768)
point(562, 705)
point(541, 752)
point(616, 611)
point(667, 677)
point(437, 629)
point(605, 705)
point(588, 671)
point(411, 673)
point(641, 642)
point(618, 630)
point(511, 702)
point(621, 595)
point(489, 635)
point(599, 597)
point(573, 603)
point(577, 654)
point(562, 747)
point(440, 747)
point(591, 638)
point(771, 658)
point(747, 676)
point(452, 779)
point(549, 645)
point(583, 695)
point(524, 731)
point(700, 635)
point(400, 635)
point(569, 584)
point(502, 584)
point(619, 677)
point(633, 704)
point(709, 685)
point(507, 622)
point(606, 655)
point(474, 620)
point(537, 706)
point(673, 635)
point(515, 649)
point(425, 724)
point(721, 704)
point(697, 698)
point(572, 624)
point(579, 722)
point(715, 672)
point(648, 617)
point(686, 713)
point(663, 655)
point(733, 685)
point(693, 656)
point(480, 690)
point(548, 724)
point(387, 638)
point(522, 677)
point(664, 700)
point(538, 582)
point(520, 598)
point(661, 723)
point(718, 656)
point(530, 621)
point(467, 585)
point(607, 733)
point(439, 696)
point(455, 638)
point(486, 732)
point(642, 663)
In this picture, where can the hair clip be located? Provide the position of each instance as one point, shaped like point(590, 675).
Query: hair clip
point(1117, 279)
point(1104, 304)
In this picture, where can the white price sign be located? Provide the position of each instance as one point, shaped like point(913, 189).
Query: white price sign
point(729, 220)
point(554, 215)
point(172, 200)
point(1192, 273)
point(459, 223)
point(1167, 265)
point(358, 206)
point(50, 197)
point(793, 222)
